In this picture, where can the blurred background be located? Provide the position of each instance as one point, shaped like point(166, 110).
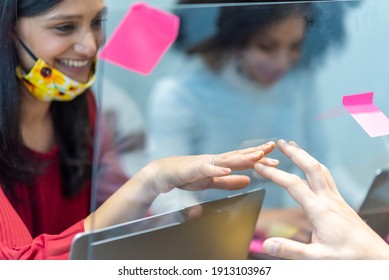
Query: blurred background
point(344, 51)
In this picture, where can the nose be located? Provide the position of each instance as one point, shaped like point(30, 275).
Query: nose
point(87, 44)
point(283, 60)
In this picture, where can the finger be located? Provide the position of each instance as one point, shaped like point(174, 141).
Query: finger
point(330, 180)
point(231, 182)
point(244, 158)
point(269, 161)
point(204, 171)
point(286, 249)
point(313, 169)
point(266, 148)
point(193, 212)
point(291, 182)
point(324, 170)
point(220, 166)
point(238, 161)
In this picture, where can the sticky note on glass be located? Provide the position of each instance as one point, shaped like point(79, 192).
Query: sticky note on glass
point(141, 39)
point(367, 114)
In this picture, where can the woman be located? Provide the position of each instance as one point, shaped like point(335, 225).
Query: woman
point(48, 54)
point(338, 231)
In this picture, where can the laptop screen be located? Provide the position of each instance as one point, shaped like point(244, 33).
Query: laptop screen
point(375, 208)
point(219, 229)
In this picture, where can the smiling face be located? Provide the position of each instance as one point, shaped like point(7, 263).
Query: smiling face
point(273, 51)
point(66, 37)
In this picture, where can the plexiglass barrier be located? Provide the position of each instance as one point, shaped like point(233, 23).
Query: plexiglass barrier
point(240, 74)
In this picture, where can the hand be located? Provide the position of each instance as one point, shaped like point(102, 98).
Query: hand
point(338, 232)
point(207, 171)
point(133, 199)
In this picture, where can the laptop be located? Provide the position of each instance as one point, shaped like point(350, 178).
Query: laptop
point(220, 229)
point(375, 207)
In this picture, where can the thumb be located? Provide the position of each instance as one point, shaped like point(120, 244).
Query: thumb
point(285, 248)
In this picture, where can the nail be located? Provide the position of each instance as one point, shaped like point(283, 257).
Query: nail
point(268, 144)
point(225, 170)
point(281, 142)
point(293, 143)
point(271, 247)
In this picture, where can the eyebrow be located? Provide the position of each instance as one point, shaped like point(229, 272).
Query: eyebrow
point(102, 12)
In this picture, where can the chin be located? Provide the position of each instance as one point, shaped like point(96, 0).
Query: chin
point(80, 78)
point(83, 81)
point(266, 83)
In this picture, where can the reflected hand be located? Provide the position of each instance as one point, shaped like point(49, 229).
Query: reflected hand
point(338, 231)
point(208, 171)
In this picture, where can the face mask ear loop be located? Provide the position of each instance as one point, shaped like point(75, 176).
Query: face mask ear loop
point(27, 50)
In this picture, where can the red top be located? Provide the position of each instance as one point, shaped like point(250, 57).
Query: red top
point(42, 224)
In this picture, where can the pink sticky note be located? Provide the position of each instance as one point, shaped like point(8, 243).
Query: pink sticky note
point(367, 114)
point(141, 39)
point(256, 246)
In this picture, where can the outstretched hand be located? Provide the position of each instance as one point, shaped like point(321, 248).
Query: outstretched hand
point(208, 171)
point(338, 231)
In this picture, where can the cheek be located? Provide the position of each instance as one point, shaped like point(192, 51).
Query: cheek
point(50, 52)
point(257, 59)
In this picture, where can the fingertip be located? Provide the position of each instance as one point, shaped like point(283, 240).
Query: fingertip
point(271, 246)
point(217, 171)
point(293, 143)
point(225, 170)
point(267, 146)
point(273, 162)
point(281, 142)
point(271, 144)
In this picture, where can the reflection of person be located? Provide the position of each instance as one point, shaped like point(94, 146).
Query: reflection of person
point(119, 108)
point(47, 56)
point(237, 86)
point(338, 231)
point(122, 140)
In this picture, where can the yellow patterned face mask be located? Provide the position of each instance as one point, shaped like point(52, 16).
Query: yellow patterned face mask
point(48, 84)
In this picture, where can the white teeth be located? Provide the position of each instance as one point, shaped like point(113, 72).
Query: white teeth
point(74, 63)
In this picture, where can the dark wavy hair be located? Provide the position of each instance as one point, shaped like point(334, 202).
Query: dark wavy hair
point(238, 20)
point(71, 119)
point(237, 24)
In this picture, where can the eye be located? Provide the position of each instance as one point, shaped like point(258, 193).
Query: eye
point(98, 23)
point(265, 47)
point(65, 28)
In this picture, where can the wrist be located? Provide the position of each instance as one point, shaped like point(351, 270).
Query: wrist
point(144, 179)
